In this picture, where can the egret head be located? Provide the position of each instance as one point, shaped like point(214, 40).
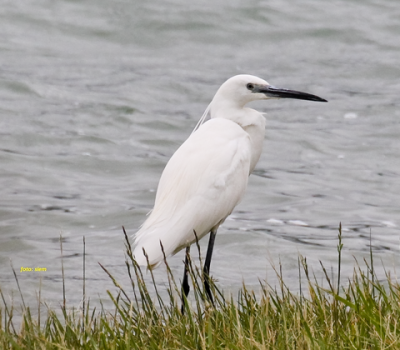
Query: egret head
point(243, 88)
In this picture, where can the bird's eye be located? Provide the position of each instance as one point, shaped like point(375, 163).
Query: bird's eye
point(250, 86)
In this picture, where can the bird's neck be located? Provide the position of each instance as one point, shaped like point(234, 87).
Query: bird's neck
point(235, 112)
point(250, 120)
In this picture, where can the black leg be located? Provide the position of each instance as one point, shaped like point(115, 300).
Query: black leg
point(185, 282)
point(207, 264)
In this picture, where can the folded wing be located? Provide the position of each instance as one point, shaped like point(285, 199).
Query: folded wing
point(200, 186)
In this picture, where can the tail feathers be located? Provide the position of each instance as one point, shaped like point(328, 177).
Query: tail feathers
point(150, 243)
point(153, 251)
point(175, 230)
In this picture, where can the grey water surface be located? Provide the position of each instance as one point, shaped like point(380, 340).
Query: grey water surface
point(95, 96)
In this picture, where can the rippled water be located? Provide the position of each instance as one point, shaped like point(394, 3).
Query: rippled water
point(96, 96)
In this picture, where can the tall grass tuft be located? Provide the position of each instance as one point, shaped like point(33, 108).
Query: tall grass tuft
point(361, 314)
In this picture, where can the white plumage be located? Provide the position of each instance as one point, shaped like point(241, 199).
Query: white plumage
point(198, 189)
point(207, 176)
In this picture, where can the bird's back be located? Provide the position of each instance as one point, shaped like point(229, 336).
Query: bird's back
point(200, 186)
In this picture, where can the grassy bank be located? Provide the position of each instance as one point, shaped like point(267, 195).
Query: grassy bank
point(363, 313)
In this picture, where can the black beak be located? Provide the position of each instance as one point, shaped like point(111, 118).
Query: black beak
point(272, 91)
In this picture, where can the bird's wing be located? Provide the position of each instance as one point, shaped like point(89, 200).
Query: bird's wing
point(200, 186)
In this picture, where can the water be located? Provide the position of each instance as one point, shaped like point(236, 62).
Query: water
point(96, 96)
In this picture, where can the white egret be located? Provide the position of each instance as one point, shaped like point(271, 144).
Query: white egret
point(207, 176)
